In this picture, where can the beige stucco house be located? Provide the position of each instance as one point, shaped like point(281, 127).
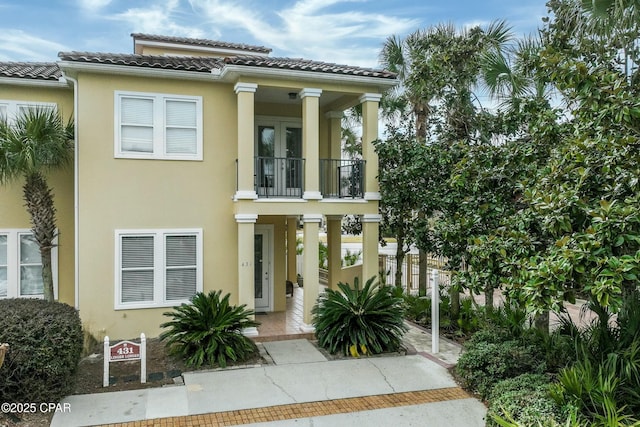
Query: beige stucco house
point(195, 163)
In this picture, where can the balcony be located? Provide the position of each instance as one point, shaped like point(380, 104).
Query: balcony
point(283, 177)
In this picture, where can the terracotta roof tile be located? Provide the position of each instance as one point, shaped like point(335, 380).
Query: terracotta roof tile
point(184, 63)
point(307, 65)
point(30, 70)
point(200, 42)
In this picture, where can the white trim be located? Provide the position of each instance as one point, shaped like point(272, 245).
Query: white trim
point(246, 218)
point(159, 126)
point(372, 195)
point(371, 218)
point(312, 195)
point(13, 263)
point(344, 200)
point(245, 195)
point(371, 97)
point(279, 200)
point(159, 267)
point(312, 218)
point(23, 81)
point(245, 87)
point(128, 70)
point(310, 92)
point(250, 332)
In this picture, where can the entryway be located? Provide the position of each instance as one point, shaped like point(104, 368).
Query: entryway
point(263, 262)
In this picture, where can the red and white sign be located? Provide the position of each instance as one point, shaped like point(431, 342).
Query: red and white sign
point(122, 351)
point(125, 350)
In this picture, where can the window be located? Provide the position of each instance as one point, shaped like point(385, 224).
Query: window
point(21, 265)
point(156, 126)
point(9, 110)
point(157, 268)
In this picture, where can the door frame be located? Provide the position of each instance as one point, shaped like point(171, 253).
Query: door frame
point(267, 230)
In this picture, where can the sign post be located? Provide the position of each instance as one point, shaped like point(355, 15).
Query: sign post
point(125, 351)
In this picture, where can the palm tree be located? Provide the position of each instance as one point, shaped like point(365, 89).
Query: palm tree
point(35, 143)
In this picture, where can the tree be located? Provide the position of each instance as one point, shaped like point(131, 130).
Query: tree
point(35, 143)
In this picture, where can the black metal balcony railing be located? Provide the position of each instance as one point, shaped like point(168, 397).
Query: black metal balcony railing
point(342, 178)
point(279, 176)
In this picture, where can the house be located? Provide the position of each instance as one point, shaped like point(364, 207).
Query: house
point(195, 162)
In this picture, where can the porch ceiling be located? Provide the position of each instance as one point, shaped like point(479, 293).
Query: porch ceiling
point(280, 95)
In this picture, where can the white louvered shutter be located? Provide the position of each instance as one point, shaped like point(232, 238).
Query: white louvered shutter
point(137, 263)
point(30, 266)
point(181, 267)
point(136, 121)
point(4, 111)
point(181, 127)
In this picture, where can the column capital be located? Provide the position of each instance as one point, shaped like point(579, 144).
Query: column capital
point(373, 97)
point(310, 92)
point(371, 218)
point(246, 218)
point(312, 218)
point(245, 87)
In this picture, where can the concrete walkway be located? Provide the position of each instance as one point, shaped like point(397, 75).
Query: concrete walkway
point(301, 388)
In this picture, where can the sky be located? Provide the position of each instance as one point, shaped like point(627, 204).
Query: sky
point(342, 31)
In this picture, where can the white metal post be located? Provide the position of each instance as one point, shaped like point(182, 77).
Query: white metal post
point(143, 358)
point(105, 376)
point(435, 312)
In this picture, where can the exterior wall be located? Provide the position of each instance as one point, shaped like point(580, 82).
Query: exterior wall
point(12, 211)
point(141, 194)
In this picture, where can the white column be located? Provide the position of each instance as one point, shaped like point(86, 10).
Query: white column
point(311, 142)
point(311, 276)
point(246, 258)
point(246, 163)
point(370, 102)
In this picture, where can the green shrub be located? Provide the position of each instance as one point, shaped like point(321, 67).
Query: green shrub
point(525, 399)
point(483, 364)
point(417, 309)
point(209, 331)
point(45, 341)
point(355, 321)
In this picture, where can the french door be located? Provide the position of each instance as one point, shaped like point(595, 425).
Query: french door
point(279, 163)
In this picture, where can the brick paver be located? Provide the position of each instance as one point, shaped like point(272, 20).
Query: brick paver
point(304, 410)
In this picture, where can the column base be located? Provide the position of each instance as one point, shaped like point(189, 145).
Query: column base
point(250, 332)
point(307, 329)
point(245, 195)
point(312, 195)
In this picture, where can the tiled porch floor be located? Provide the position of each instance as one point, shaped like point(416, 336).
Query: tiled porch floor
point(284, 325)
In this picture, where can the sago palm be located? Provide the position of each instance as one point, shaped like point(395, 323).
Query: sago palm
point(35, 143)
point(209, 331)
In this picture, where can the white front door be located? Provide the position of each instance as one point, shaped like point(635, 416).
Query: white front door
point(263, 261)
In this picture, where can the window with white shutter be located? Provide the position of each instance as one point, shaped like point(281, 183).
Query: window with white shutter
point(3, 112)
point(21, 265)
point(158, 268)
point(10, 109)
point(158, 126)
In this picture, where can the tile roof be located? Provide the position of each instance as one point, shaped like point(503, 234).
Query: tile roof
point(200, 42)
point(206, 64)
point(307, 65)
point(184, 63)
point(30, 70)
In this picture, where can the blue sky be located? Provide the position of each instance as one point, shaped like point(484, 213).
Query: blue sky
point(343, 31)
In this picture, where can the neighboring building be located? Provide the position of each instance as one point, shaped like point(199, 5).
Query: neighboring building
point(195, 161)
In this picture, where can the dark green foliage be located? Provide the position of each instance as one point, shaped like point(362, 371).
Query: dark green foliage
point(525, 399)
point(483, 364)
point(418, 309)
point(209, 331)
point(45, 341)
point(359, 321)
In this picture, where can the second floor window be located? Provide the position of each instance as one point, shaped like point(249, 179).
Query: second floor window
point(158, 126)
point(10, 109)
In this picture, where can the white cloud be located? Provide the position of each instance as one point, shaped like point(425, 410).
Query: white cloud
point(17, 45)
point(157, 19)
point(93, 5)
point(308, 29)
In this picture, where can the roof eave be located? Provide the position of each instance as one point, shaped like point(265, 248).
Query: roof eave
point(26, 81)
point(233, 72)
point(132, 70)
